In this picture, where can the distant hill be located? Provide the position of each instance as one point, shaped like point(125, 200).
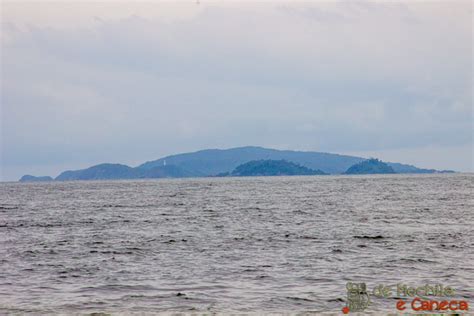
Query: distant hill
point(29, 178)
point(102, 171)
point(168, 171)
point(272, 168)
point(117, 171)
point(212, 162)
point(402, 168)
point(370, 166)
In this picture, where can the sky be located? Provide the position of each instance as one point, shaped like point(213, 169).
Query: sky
point(84, 83)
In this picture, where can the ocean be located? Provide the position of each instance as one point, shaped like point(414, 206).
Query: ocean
point(232, 245)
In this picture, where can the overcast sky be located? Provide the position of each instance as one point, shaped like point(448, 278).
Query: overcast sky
point(86, 83)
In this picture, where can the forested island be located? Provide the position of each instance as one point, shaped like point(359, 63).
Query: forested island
point(271, 168)
point(239, 161)
point(30, 178)
point(370, 166)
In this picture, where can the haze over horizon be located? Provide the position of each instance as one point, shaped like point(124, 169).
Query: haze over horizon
point(84, 83)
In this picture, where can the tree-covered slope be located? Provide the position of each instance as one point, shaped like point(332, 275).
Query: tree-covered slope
point(214, 161)
point(273, 168)
point(370, 166)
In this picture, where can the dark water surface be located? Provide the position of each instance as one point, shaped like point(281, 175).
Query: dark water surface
point(231, 244)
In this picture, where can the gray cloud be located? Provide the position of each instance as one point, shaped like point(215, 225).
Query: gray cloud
point(338, 77)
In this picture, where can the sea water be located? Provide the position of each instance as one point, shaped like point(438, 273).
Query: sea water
point(259, 244)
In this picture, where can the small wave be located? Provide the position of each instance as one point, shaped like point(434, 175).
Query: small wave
point(115, 287)
point(294, 298)
point(449, 246)
point(9, 207)
point(369, 237)
point(171, 241)
point(411, 260)
point(308, 237)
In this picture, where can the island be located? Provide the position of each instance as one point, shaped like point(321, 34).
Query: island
point(107, 171)
point(272, 168)
point(370, 166)
point(219, 162)
point(30, 178)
